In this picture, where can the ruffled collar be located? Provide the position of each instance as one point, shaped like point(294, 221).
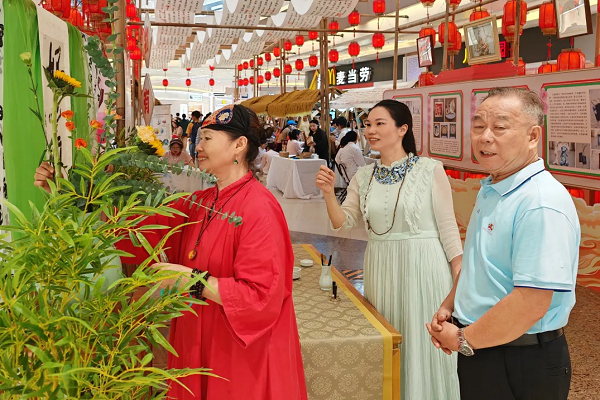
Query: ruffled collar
point(395, 163)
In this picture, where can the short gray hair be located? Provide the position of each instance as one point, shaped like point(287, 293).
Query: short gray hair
point(531, 102)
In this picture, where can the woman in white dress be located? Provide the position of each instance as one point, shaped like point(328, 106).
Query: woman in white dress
point(414, 250)
point(350, 155)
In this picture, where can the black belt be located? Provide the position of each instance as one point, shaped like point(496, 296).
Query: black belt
point(529, 339)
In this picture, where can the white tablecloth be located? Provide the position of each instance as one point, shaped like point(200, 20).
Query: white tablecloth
point(184, 183)
point(295, 178)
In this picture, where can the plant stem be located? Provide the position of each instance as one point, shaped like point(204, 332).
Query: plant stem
point(37, 104)
point(56, 150)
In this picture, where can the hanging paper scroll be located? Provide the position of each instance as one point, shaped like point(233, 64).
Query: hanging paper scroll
point(325, 8)
point(147, 43)
point(260, 7)
point(189, 6)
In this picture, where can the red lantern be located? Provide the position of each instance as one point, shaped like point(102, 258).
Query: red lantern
point(188, 69)
point(252, 63)
point(240, 82)
point(287, 45)
point(136, 54)
point(277, 52)
point(379, 7)
point(299, 65)
point(240, 67)
point(211, 82)
point(188, 82)
point(509, 19)
point(354, 18)
point(130, 10)
point(165, 82)
point(276, 72)
point(456, 46)
point(547, 19)
point(571, 59)
point(452, 31)
point(299, 40)
point(165, 69)
point(547, 68)
point(135, 27)
point(60, 8)
point(354, 49)
point(454, 4)
point(251, 80)
point(313, 61)
point(131, 44)
point(211, 67)
point(268, 76)
point(427, 3)
point(246, 81)
point(268, 57)
point(75, 18)
point(261, 80)
point(426, 79)
point(245, 65)
point(313, 35)
point(378, 42)
point(287, 69)
point(479, 14)
point(334, 27)
point(334, 56)
point(428, 31)
point(131, 33)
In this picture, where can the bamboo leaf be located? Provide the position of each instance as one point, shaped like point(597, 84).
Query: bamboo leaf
point(160, 339)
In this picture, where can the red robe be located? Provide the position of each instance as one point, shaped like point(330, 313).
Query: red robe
point(252, 340)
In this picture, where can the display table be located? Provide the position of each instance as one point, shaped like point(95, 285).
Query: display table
point(184, 183)
point(296, 178)
point(349, 350)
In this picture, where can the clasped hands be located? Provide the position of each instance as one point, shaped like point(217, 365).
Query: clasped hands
point(443, 333)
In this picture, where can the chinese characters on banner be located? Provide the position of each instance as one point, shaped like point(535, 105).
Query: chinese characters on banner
point(352, 77)
point(54, 50)
point(147, 100)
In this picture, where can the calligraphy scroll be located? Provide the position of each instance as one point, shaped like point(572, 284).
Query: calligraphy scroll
point(260, 7)
point(54, 50)
point(147, 100)
point(147, 42)
point(189, 6)
point(324, 8)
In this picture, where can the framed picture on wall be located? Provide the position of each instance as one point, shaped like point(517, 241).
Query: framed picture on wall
point(573, 18)
point(425, 51)
point(481, 41)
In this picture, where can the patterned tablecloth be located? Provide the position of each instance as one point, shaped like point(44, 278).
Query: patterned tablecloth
point(347, 352)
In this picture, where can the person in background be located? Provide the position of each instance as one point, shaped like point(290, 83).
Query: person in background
point(319, 140)
point(184, 123)
point(268, 157)
point(176, 129)
point(517, 286)
point(341, 125)
point(261, 152)
point(282, 138)
point(192, 132)
point(293, 146)
point(270, 133)
point(176, 153)
point(414, 250)
point(350, 155)
point(177, 118)
point(304, 127)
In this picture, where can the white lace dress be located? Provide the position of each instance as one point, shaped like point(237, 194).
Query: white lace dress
point(407, 273)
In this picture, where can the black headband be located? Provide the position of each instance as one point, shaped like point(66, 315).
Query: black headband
point(231, 118)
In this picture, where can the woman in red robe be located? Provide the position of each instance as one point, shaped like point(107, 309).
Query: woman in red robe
point(247, 333)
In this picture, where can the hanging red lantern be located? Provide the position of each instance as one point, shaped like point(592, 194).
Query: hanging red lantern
point(188, 82)
point(276, 51)
point(334, 27)
point(131, 33)
point(165, 69)
point(509, 17)
point(135, 27)
point(245, 65)
point(136, 54)
point(455, 47)
point(547, 68)
point(240, 67)
point(276, 72)
point(287, 45)
point(571, 59)
point(211, 82)
point(251, 80)
point(334, 56)
point(378, 42)
point(252, 63)
point(313, 35)
point(454, 4)
point(299, 40)
point(211, 67)
point(58, 7)
point(131, 44)
point(240, 82)
point(268, 57)
point(260, 61)
point(188, 69)
point(75, 18)
point(165, 82)
point(246, 81)
point(130, 10)
point(268, 76)
point(427, 3)
point(354, 49)
point(287, 69)
point(426, 79)
point(379, 7)
point(479, 14)
point(452, 31)
point(261, 80)
point(547, 19)
point(428, 31)
point(299, 65)
point(354, 18)
point(313, 61)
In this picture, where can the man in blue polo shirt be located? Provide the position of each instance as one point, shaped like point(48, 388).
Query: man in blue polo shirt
point(517, 285)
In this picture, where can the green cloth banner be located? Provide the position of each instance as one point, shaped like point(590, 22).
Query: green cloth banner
point(79, 71)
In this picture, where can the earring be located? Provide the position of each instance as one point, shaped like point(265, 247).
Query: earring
point(236, 162)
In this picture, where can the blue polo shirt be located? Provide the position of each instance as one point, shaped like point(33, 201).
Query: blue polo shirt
point(524, 232)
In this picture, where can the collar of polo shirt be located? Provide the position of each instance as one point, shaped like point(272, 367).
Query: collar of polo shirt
point(513, 182)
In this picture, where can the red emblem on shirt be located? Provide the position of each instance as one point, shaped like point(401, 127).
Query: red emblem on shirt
point(491, 227)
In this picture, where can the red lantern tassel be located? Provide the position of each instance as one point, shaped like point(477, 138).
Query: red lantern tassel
point(377, 57)
point(549, 49)
point(572, 42)
point(353, 63)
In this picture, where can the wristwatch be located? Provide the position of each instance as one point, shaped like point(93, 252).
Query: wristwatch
point(464, 347)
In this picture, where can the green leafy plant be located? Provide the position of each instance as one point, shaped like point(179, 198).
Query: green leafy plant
point(68, 329)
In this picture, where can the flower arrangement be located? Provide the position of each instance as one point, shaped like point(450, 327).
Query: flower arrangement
point(147, 141)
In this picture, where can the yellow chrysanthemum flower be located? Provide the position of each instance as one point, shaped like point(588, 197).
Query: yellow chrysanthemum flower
point(66, 78)
point(146, 134)
point(157, 144)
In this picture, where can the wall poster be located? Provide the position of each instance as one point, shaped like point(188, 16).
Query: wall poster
point(445, 125)
point(415, 105)
point(161, 121)
point(572, 133)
